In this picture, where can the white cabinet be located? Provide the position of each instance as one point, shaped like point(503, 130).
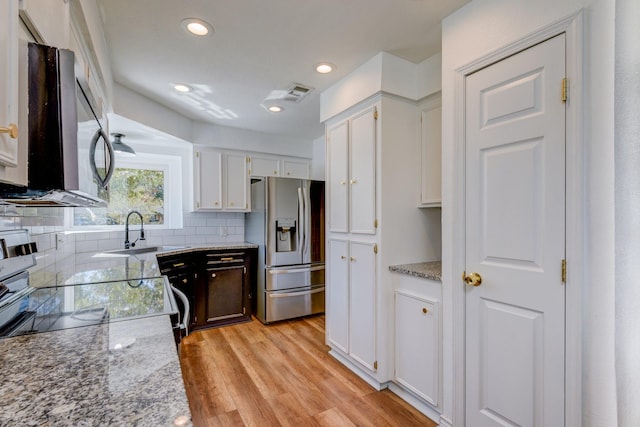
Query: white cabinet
point(235, 182)
point(9, 86)
point(373, 167)
point(295, 168)
point(417, 349)
point(351, 154)
point(352, 300)
point(431, 154)
point(264, 166)
point(220, 180)
point(207, 166)
point(289, 167)
point(418, 338)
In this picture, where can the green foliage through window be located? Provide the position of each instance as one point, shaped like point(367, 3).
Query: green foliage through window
point(129, 189)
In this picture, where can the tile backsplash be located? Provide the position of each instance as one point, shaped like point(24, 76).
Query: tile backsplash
point(57, 246)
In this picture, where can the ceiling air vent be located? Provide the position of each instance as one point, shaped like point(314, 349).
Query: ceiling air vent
point(296, 92)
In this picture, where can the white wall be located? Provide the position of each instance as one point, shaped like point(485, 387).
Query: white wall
point(627, 157)
point(484, 26)
point(318, 160)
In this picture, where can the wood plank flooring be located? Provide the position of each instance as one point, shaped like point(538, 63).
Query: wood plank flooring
point(281, 375)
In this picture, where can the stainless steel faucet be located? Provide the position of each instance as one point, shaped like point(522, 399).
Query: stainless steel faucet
point(128, 245)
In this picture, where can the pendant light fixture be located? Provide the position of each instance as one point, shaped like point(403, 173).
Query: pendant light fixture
point(120, 147)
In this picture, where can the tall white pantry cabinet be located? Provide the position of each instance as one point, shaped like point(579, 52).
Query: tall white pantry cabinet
point(373, 177)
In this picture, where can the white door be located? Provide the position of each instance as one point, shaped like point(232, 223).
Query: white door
point(235, 174)
point(337, 176)
point(208, 179)
point(362, 171)
point(362, 303)
point(515, 240)
point(338, 294)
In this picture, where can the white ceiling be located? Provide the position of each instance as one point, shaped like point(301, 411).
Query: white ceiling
point(259, 46)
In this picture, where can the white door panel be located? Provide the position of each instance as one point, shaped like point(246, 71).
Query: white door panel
point(515, 239)
point(338, 176)
point(362, 155)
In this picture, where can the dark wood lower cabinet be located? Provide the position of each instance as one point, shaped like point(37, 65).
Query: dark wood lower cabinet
point(219, 284)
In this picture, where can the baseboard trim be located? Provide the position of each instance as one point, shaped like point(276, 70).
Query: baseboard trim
point(425, 408)
point(357, 370)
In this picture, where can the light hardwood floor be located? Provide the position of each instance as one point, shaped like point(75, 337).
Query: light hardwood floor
point(281, 375)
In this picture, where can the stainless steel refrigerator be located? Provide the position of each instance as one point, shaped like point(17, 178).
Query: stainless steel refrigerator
point(287, 222)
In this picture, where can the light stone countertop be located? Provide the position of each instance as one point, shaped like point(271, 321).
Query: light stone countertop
point(110, 267)
point(426, 270)
point(77, 376)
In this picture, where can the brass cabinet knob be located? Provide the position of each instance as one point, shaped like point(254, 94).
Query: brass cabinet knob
point(354, 181)
point(352, 258)
point(213, 275)
point(473, 279)
point(343, 182)
point(12, 130)
point(184, 281)
point(343, 257)
point(424, 310)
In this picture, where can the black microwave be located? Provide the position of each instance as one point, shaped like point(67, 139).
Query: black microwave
point(70, 157)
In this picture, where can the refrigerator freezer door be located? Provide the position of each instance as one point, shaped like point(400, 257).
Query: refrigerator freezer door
point(294, 277)
point(295, 303)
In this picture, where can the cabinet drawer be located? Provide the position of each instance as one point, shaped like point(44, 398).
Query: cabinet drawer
point(225, 259)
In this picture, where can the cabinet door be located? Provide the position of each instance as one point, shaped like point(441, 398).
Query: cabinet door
point(417, 345)
point(235, 182)
point(225, 294)
point(337, 177)
point(208, 180)
point(362, 172)
point(295, 169)
point(338, 295)
point(263, 166)
point(8, 85)
point(431, 159)
point(362, 303)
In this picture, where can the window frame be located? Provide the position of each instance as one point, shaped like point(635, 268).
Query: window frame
point(171, 165)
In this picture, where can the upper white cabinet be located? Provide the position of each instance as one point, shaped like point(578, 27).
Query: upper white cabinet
point(351, 173)
point(9, 77)
point(207, 166)
point(288, 167)
point(431, 154)
point(220, 180)
point(235, 193)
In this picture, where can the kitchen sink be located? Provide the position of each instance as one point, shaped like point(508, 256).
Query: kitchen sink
point(144, 249)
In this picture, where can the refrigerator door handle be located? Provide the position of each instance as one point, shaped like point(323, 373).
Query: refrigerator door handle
point(307, 224)
point(302, 222)
point(296, 270)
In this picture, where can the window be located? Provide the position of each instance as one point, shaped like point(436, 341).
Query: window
point(150, 186)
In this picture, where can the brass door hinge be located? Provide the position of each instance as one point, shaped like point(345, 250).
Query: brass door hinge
point(245, 270)
point(375, 365)
point(248, 159)
point(375, 223)
point(375, 114)
point(565, 89)
point(375, 248)
point(564, 271)
point(197, 204)
point(197, 154)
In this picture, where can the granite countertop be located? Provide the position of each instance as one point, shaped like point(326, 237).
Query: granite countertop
point(123, 373)
point(109, 266)
point(426, 270)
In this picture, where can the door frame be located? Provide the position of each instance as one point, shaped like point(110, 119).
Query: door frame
point(573, 27)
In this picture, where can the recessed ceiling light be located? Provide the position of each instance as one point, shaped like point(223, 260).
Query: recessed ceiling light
point(197, 27)
point(182, 88)
point(275, 108)
point(325, 67)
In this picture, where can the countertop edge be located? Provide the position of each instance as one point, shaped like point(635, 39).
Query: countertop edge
point(431, 270)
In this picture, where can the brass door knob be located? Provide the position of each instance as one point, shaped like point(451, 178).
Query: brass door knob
point(424, 310)
point(12, 130)
point(473, 279)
